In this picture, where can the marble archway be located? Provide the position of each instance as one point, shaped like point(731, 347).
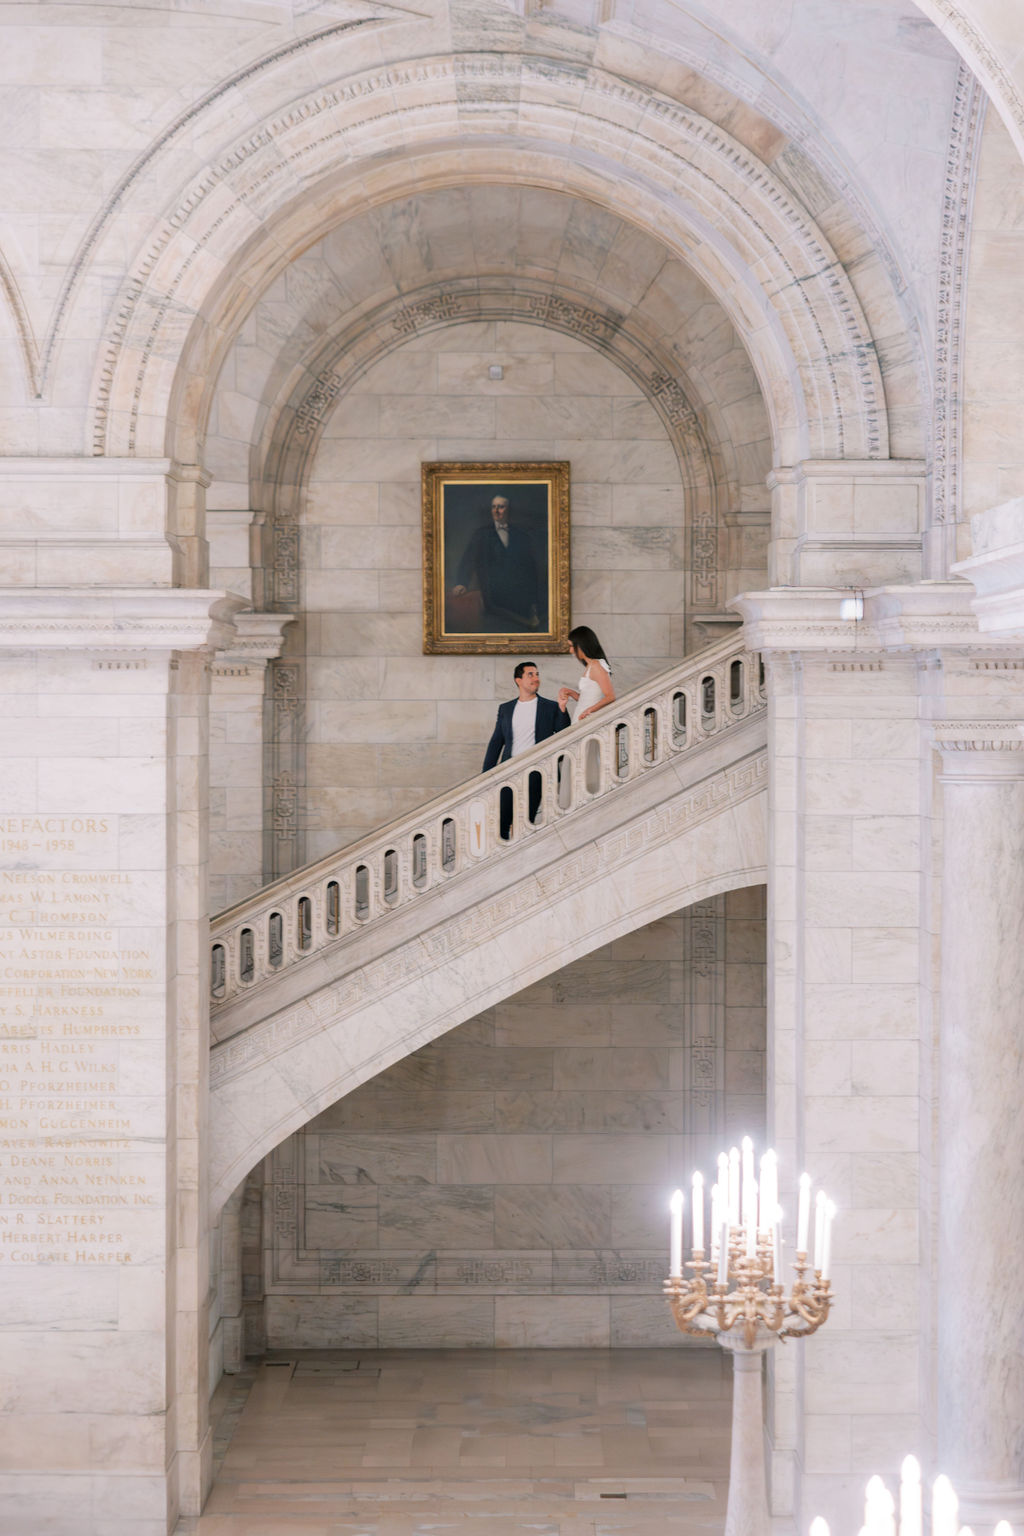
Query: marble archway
point(713, 201)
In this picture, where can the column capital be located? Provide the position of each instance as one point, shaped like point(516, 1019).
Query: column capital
point(116, 618)
point(920, 616)
point(980, 750)
point(257, 639)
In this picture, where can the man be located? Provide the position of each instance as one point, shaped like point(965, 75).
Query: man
point(499, 558)
point(521, 723)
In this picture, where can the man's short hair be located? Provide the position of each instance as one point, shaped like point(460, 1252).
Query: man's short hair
point(517, 674)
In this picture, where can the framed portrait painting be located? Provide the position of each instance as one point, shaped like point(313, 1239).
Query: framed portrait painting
point(495, 558)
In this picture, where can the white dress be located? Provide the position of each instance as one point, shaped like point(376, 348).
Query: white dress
point(590, 689)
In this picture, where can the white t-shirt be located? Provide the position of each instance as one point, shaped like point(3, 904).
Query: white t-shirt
point(524, 727)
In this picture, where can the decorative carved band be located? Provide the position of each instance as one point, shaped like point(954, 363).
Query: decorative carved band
point(979, 735)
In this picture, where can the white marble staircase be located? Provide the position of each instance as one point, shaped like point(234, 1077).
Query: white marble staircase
point(331, 974)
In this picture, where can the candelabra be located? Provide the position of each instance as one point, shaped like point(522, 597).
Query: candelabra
point(880, 1509)
point(745, 1306)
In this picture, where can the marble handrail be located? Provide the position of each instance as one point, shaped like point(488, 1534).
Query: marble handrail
point(286, 922)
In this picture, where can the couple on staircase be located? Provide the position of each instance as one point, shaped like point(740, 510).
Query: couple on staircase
point(529, 719)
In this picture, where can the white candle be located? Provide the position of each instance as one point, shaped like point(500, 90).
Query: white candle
point(777, 1245)
point(803, 1215)
point(910, 1497)
point(819, 1527)
point(826, 1247)
point(1003, 1528)
point(716, 1218)
point(819, 1227)
point(723, 1255)
point(752, 1222)
point(675, 1205)
point(698, 1212)
point(945, 1508)
point(734, 1186)
point(769, 1186)
point(879, 1508)
point(723, 1174)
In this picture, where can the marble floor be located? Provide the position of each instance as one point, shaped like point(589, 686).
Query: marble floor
point(472, 1443)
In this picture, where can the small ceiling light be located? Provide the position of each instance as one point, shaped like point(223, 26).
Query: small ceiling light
point(495, 372)
point(851, 608)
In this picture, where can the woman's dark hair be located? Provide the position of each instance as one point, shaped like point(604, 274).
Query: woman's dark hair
point(586, 641)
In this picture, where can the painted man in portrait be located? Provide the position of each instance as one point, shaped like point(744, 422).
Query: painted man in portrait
point(500, 562)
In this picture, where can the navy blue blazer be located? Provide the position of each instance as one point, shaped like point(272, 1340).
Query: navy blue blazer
point(549, 720)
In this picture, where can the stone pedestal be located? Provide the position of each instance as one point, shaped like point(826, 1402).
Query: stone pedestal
point(103, 1046)
point(747, 1511)
point(981, 1211)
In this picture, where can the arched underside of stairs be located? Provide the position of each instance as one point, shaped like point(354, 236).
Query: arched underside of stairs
point(277, 1074)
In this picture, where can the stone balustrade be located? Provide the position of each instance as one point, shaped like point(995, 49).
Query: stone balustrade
point(287, 922)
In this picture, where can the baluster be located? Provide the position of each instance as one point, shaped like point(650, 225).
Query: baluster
point(218, 971)
point(448, 849)
point(622, 751)
point(390, 884)
point(246, 956)
point(303, 924)
point(591, 776)
point(275, 940)
point(332, 909)
point(737, 691)
point(566, 782)
point(420, 875)
point(708, 703)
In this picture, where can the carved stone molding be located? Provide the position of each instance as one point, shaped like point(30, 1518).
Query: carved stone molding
point(814, 299)
point(980, 752)
point(979, 736)
point(978, 48)
point(925, 616)
point(258, 638)
point(116, 619)
point(964, 143)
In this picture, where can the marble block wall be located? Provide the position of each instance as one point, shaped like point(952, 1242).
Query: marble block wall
point(507, 1185)
point(387, 726)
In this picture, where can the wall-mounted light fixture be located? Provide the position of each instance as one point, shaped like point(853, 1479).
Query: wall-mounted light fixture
point(851, 607)
point(495, 372)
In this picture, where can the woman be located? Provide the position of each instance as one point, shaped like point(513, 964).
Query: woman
point(595, 690)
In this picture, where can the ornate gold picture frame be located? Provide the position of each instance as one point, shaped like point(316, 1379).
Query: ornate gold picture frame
point(495, 559)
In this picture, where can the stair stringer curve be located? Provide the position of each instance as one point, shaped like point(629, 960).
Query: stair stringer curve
point(692, 828)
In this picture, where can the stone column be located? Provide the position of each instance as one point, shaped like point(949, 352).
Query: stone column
point(103, 1058)
point(981, 1124)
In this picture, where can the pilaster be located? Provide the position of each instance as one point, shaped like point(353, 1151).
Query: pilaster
point(104, 1044)
point(237, 755)
point(858, 685)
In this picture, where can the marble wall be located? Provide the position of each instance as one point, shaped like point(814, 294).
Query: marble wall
point(388, 727)
point(507, 1185)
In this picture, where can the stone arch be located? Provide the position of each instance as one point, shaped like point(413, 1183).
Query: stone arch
point(622, 145)
point(986, 35)
point(270, 1087)
point(706, 463)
